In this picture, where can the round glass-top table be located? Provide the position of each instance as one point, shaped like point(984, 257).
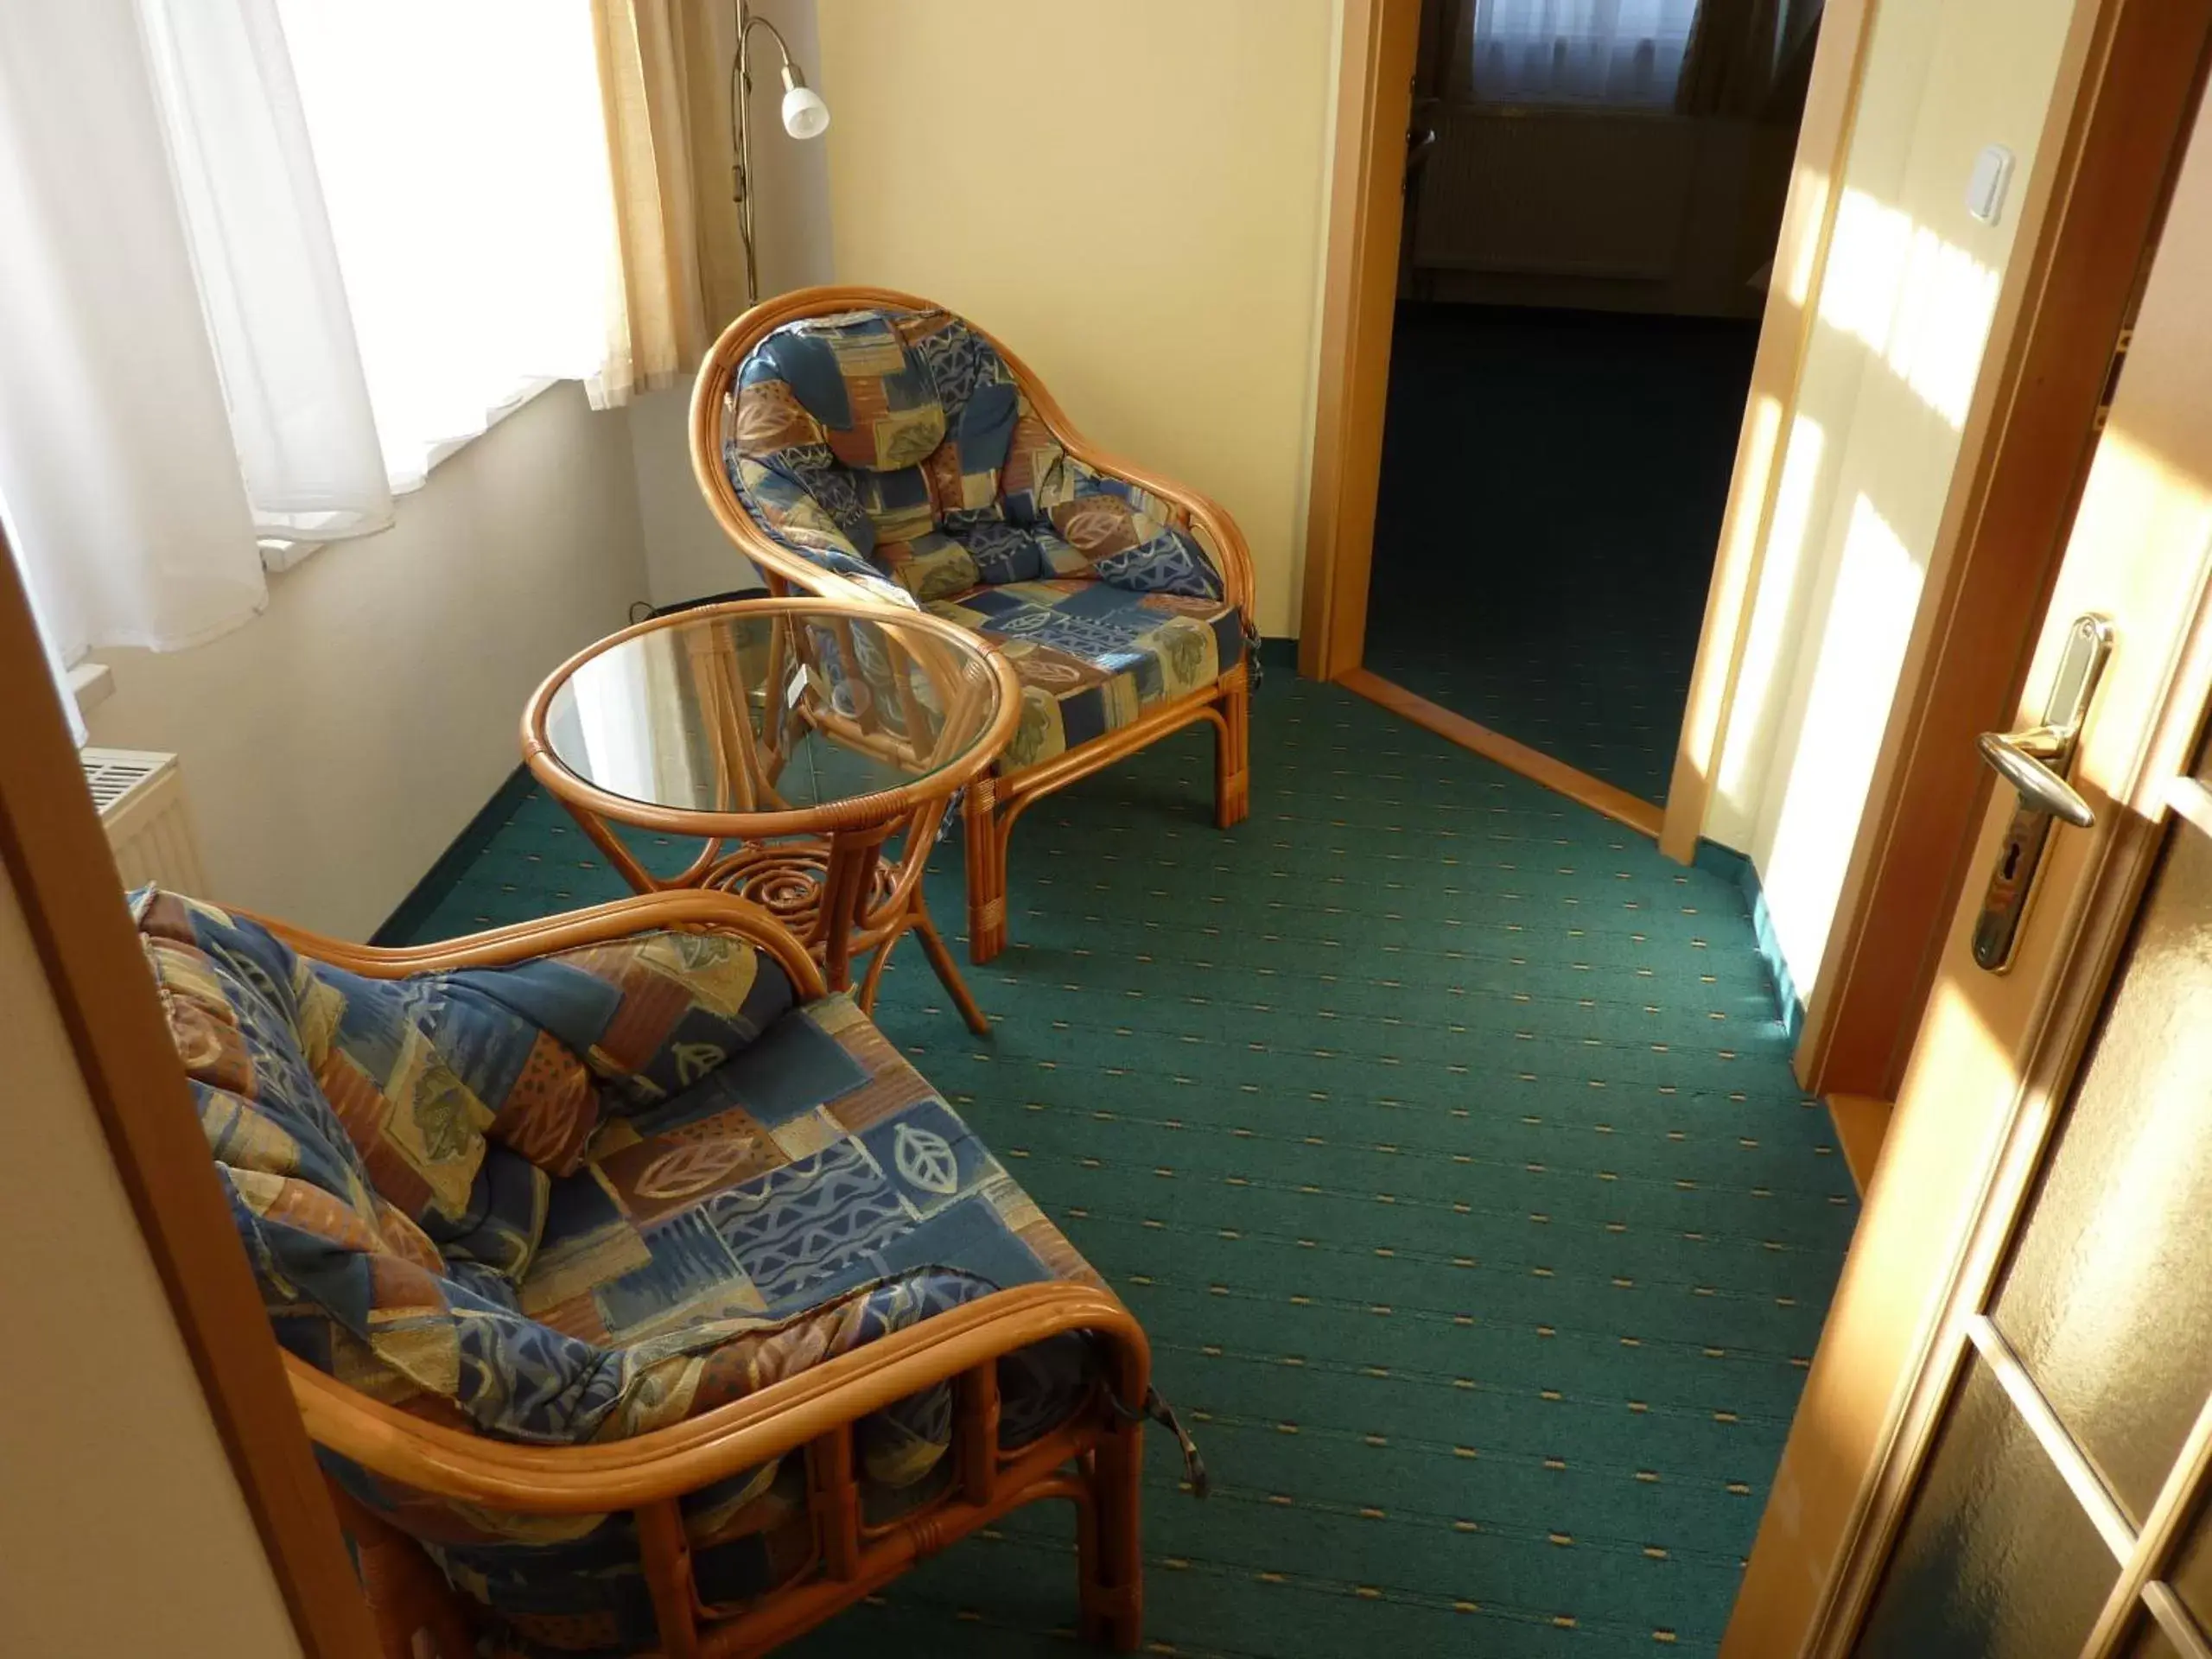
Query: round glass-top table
point(798, 739)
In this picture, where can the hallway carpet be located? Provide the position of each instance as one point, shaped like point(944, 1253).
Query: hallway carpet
point(1441, 1135)
point(1552, 489)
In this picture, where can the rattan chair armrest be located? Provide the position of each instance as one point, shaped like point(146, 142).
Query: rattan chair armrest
point(696, 909)
point(1232, 555)
point(744, 1434)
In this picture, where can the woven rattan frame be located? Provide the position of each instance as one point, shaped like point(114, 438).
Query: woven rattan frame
point(850, 900)
point(1094, 1460)
point(993, 804)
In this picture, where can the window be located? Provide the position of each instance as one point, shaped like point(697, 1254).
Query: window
point(463, 161)
point(267, 260)
point(1615, 52)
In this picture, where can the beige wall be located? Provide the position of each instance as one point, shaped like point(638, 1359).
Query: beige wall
point(1902, 314)
point(122, 1528)
point(334, 747)
point(1131, 194)
point(687, 555)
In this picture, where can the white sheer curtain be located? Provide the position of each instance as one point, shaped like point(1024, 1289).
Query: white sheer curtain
point(180, 373)
point(124, 490)
point(462, 151)
point(265, 262)
point(255, 222)
point(1621, 53)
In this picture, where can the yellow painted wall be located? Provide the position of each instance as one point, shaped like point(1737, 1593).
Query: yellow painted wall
point(1902, 312)
point(1131, 194)
point(122, 1528)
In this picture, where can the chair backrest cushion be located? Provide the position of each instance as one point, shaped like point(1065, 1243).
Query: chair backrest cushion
point(868, 395)
point(355, 1285)
point(896, 448)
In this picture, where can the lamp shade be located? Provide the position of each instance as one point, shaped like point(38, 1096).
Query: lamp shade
point(805, 116)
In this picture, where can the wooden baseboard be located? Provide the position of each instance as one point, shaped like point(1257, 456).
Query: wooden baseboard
point(1861, 1122)
point(1595, 793)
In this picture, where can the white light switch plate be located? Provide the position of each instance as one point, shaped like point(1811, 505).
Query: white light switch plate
point(1992, 171)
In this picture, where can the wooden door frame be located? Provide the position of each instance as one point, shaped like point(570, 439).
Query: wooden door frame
point(1377, 55)
point(1800, 259)
point(57, 860)
point(1864, 1523)
point(2123, 109)
point(2113, 135)
point(1375, 58)
point(2096, 937)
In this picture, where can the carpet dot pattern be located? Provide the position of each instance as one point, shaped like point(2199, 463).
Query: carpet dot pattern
point(1441, 1134)
point(1553, 483)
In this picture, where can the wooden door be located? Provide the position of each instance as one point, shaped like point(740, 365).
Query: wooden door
point(2003, 1444)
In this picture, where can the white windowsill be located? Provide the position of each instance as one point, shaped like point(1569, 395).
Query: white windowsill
point(92, 684)
point(279, 554)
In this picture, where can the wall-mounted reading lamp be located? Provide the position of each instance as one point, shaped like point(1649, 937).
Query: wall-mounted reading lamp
point(805, 116)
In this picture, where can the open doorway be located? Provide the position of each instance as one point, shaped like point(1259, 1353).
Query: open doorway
point(1593, 195)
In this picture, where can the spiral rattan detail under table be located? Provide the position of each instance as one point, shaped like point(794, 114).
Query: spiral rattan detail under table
point(811, 745)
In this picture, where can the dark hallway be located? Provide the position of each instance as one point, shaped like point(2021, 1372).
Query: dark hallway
point(1553, 483)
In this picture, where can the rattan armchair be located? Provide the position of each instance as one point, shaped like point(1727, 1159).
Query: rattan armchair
point(874, 551)
point(428, 1463)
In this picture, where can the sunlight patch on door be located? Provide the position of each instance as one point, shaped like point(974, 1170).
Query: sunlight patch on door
point(1773, 614)
point(1862, 648)
point(1921, 305)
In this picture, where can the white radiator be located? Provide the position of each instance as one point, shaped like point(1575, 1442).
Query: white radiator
point(1556, 193)
point(140, 795)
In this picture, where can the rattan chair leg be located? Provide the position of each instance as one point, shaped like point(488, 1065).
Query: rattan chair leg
point(1113, 1565)
point(416, 1613)
point(866, 995)
point(986, 837)
point(1232, 776)
point(948, 971)
point(665, 1552)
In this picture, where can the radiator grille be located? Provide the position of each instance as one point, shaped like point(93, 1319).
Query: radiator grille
point(140, 795)
point(1550, 193)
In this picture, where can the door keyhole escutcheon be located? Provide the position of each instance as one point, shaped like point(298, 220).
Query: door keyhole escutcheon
point(2036, 763)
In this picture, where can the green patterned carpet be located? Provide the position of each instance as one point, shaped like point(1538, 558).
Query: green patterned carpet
point(1552, 488)
point(1440, 1134)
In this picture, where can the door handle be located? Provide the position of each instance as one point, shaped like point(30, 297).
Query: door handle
point(2030, 762)
point(2036, 762)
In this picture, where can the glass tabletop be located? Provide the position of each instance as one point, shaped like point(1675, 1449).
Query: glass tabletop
point(752, 708)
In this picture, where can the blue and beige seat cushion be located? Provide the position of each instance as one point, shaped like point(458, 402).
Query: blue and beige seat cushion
point(895, 449)
point(1093, 657)
point(589, 1196)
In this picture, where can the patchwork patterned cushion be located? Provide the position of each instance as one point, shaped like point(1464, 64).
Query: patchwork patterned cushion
point(1122, 536)
point(897, 444)
point(367, 1101)
point(874, 404)
point(817, 1191)
point(762, 1189)
point(445, 1101)
point(1093, 657)
point(650, 1013)
point(815, 1163)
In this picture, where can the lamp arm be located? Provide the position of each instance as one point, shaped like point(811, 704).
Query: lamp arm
point(741, 84)
point(740, 127)
point(749, 20)
point(740, 79)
